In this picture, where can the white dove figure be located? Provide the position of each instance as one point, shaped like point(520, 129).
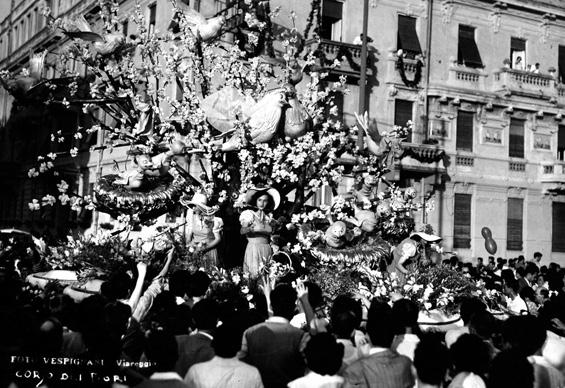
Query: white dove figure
point(104, 45)
point(205, 29)
point(384, 146)
point(297, 120)
point(23, 83)
point(264, 118)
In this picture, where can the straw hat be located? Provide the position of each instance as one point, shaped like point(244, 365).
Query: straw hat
point(275, 195)
point(199, 200)
point(426, 237)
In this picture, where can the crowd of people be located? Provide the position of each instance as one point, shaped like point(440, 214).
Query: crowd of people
point(181, 329)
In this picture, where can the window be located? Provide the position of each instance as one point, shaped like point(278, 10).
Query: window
point(152, 17)
point(561, 64)
point(403, 114)
point(561, 143)
point(15, 39)
point(407, 38)
point(518, 53)
point(516, 141)
point(29, 26)
point(332, 13)
point(464, 140)
point(125, 25)
point(514, 222)
point(558, 227)
point(462, 221)
point(467, 50)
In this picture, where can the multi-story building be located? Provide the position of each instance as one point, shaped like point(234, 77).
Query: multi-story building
point(480, 80)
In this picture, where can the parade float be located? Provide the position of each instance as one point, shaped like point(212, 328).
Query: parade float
point(263, 134)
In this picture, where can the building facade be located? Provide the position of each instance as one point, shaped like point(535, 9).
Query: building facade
point(481, 81)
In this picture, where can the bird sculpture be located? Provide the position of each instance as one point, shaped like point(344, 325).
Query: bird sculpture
point(205, 29)
point(386, 146)
point(264, 118)
point(297, 120)
point(295, 72)
point(104, 45)
point(22, 85)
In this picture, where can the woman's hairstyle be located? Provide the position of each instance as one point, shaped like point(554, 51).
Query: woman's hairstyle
point(257, 195)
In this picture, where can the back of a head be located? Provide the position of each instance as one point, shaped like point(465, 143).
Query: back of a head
point(343, 324)
point(524, 334)
point(405, 315)
point(205, 314)
point(227, 340)
point(483, 324)
point(120, 285)
point(199, 283)
point(50, 337)
point(283, 300)
point(511, 369)
point(161, 349)
point(431, 360)
point(344, 303)
point(531, 268)
point(117, 316)
point(507, 274)
point(380, 326)
point(323, 354)
point(512, 284)
point(469, 307)
point(179, 282)
point(470, 354)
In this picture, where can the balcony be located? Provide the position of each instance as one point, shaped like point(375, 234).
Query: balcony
point(561, 93)
point(524, 83)
point(423, 159)
point(552, 177)
point(349, 56)
point(410, 69)
point(467, 78)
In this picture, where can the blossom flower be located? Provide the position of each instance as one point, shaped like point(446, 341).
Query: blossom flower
point(34, 205)
point(48, 200)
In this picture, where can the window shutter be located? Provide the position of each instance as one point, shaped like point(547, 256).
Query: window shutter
point(516, 140)
point(558, 227)
point(407, 36)
point(561, 143)
point(561, 64)
point(403, 114)
point(332, 9)
point(464, 140)
point(514, 224)
point(462, 221)
point(468, 52)
point(518, 44)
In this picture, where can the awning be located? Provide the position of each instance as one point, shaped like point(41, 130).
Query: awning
point(468, 53)
point(407, 36)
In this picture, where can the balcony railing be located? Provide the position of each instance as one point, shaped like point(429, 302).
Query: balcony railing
point(465, 161)
point(524, 83)
point(552, 177)
point(517, 166)
point(424, 159)
point(464, 77)
point(349, 56)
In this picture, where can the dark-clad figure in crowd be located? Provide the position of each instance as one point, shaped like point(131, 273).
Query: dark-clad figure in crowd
point(275, 346)
point(510, 369)
point(225, 369)
point(431, 361)
point(383, 367)
point(197, 346)
point(161, 351)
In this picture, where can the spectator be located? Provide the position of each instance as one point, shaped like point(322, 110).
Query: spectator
point(468, 307)
point(470, 362)
point(484, 325)
point(383, 367)
point(511, 369)
point(179, 282)
point(431, 360)
point(197, 346)
point(161, 350)
point(225, 369)
point(529, 296)
point(275, 346)
point(344, 321)
point(323, 358)
point(405, 320)
point(537, 257)
point(530, 272)
point(198, 286)
point(515, 304)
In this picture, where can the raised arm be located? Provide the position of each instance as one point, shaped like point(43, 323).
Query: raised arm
point(136, 294)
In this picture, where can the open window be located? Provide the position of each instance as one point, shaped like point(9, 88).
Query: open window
point(152, 17)
point(561, 143)
point(407, 38)
point(332, 15)
point(467, 51)
point(518, 53)
point(403, 110)
point(561, 64)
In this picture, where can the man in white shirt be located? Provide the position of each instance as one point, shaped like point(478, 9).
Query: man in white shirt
point(225, 369)
point(515, 303)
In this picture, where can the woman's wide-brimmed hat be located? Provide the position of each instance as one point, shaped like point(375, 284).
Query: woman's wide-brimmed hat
point(426, 237)
point(275, 195)
point(199, 200)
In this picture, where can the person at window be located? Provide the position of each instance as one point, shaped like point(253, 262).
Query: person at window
point(518, 64)
point(359, 40)
point(256, 225)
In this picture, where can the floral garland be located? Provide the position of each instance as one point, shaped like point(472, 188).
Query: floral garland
point(417, 76)
point(315, 11)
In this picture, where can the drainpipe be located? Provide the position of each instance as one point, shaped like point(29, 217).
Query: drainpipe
point(363, 75)
point(428, 64)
